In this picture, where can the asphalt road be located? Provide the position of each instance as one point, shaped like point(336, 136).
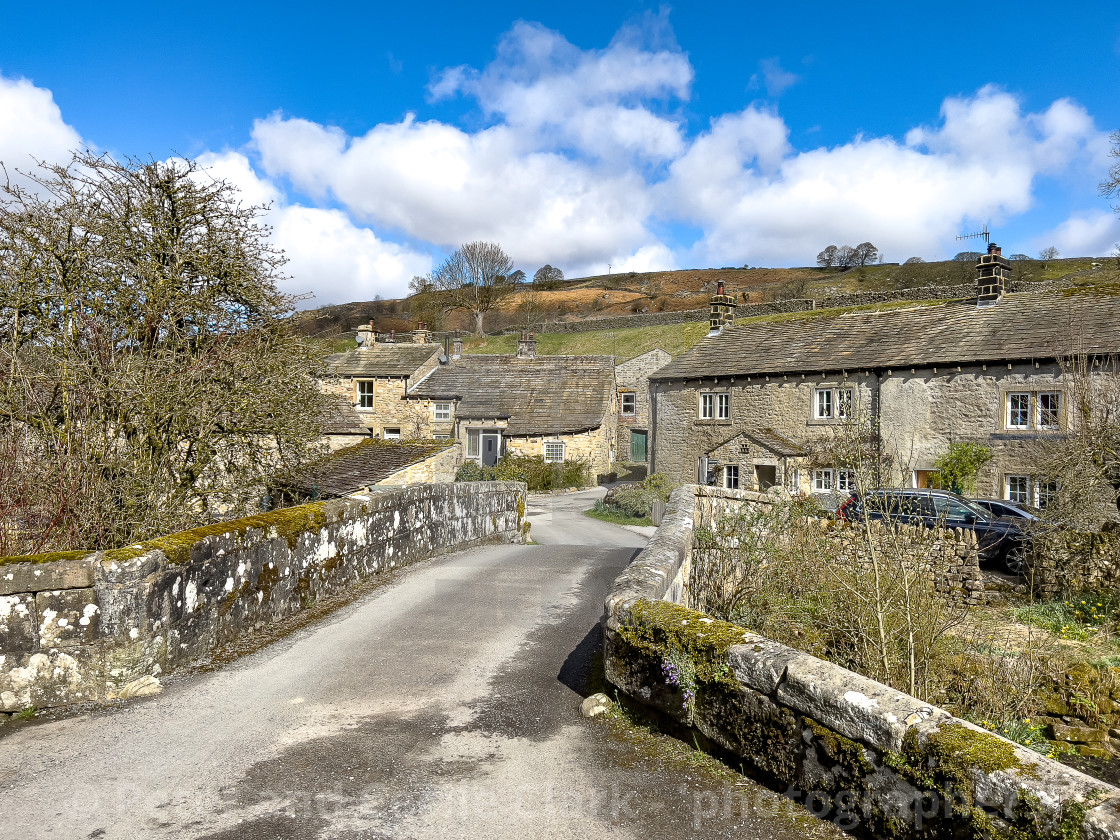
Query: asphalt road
point(445, 704)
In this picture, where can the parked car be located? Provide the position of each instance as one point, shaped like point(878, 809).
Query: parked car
point(1001, 539)
point(1002, 507)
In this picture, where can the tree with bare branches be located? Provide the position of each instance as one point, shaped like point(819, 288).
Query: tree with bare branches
point(475, 277)
point(149, 377)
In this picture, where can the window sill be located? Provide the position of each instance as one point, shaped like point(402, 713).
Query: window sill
point(710, 422)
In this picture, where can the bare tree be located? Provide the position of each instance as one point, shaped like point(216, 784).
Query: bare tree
point(1110, 186)
point(149, 375)
point(864, 254)
point(827, 257)
point(845, 256)
point(531, 307)
point(1047, 254)
point(475, 277)
point(547, 277)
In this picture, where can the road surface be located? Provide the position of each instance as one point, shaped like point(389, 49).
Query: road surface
point(443, 705)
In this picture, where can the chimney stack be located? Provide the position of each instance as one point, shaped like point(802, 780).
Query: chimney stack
point(366, 336)
point(526, 346)
point(392, 336)
point(993, 276)
point(723, 310)
point(457, 345)
point(421, 335)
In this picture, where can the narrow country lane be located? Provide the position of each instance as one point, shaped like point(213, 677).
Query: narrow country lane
point(444, 705)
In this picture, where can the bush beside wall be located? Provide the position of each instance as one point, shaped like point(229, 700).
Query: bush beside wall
point(859, 750)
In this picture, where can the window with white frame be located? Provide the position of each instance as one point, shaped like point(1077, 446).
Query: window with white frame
point(443, 411)
point(553, 451)
point(731, 477)
point(1049, 409)
point(832, 403)
point(1045, 493)
point(793, 479)
point(822, 481)
point(1033, 410)
point(443, 436)
point(1030, 490)
point(365, 393)
point(1018, 488)
point(1019, 411)
point(845, 481)
point(715, 406)
point(392, 433)
point(472, 443)
point(628, 403)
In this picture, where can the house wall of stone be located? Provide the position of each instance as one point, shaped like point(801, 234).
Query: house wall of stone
point(633, 376)
point(921, 413)
point(79, 628)
point(435, 469)
point(593, 447)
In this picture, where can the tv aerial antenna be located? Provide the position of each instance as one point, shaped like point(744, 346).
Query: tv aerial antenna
point(984, 233)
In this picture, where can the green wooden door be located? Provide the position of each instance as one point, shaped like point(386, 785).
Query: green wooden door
point(638, 446)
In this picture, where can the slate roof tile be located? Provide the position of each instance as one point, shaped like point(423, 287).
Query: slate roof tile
point(545, 395)
point(382, 360)
point(1019, 327)
point(354, 467)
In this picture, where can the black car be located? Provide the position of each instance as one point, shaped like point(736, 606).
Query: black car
point(1002, 507)
point(1001, 539)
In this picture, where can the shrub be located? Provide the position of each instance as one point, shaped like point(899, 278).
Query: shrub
point(636, 500)
point(534, 470)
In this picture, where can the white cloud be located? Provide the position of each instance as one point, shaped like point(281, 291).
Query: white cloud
point(758, 200)
point(328, 254)
point(31, 127)
point(440, 184)
point(773, 77)
point(1090, 234)
point(649, 258)
point(607, 103)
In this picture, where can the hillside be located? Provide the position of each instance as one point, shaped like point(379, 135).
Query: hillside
point(689, 289)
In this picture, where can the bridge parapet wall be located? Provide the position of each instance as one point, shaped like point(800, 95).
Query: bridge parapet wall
point(81, 626)
point(853, 749)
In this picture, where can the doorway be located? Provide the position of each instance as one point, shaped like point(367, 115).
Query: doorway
point(766, 476)
point(491, 448)
point(638, 445)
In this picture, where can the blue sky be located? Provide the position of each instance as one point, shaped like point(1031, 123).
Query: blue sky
point(638, 135)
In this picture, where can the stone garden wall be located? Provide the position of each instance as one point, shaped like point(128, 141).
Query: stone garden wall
point(80, 626)
point(850, 749)
point(1070, 562)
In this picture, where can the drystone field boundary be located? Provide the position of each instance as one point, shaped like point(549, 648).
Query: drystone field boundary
point(750, 310)
point(848, 746)
point(78, 626)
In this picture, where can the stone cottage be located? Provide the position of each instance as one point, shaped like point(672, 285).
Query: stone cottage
point(374, 377)
point(559, 407)
point(635, 415)
point(773, 402)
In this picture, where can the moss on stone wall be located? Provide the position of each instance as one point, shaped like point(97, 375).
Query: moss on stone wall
point(288, 523)
point(661, 628)
point(50, 557)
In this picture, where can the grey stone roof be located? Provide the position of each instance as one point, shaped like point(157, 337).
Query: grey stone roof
point(382, 360)
point(343, 419)
point(1019, 327)
point(349, 470)
point(546, 395)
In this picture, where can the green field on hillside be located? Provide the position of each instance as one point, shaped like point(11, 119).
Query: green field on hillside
point(674, 339)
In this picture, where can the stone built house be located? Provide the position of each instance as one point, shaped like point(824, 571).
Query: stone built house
point(559, 407)
point(635, 415)
point(374, 378)
point(758, 405)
